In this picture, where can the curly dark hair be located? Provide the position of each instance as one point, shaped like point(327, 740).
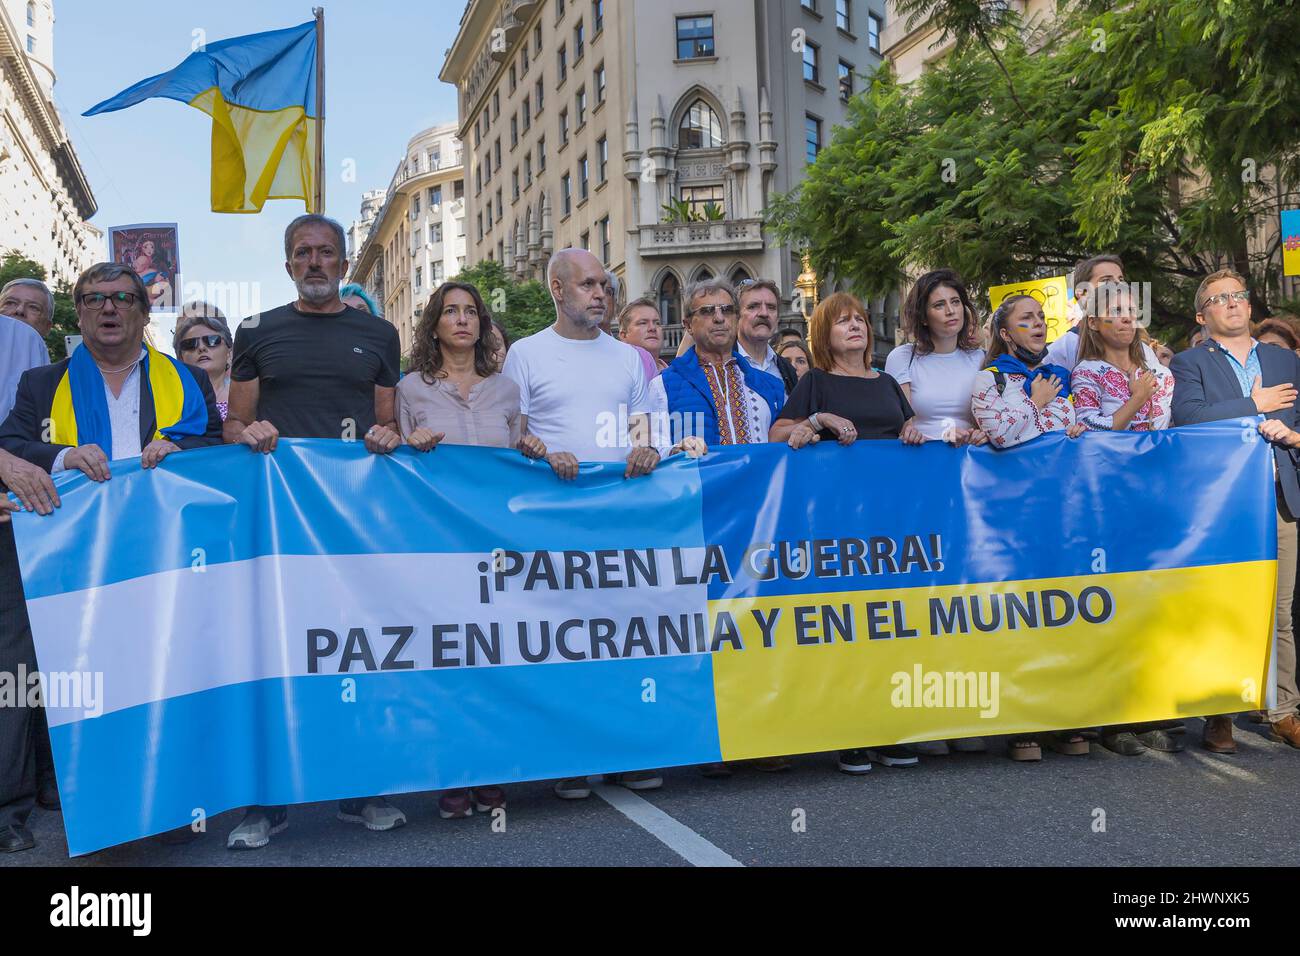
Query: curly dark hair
point(426, 352)
point(915, 307)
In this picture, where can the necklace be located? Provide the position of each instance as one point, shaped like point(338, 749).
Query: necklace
point(114, 371)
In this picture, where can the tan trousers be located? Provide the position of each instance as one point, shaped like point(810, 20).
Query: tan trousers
point(1287, 695)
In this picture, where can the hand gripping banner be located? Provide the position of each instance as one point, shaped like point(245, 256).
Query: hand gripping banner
point(321, 623)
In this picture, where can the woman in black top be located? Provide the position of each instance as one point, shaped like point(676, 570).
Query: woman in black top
point(842, 398)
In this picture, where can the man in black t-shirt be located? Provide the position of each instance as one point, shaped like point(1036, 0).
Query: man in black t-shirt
point(314, 369)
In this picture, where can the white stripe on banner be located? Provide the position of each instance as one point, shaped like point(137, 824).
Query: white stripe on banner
point(187, 631)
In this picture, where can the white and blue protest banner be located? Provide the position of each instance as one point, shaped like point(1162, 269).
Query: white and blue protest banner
point(321, 623)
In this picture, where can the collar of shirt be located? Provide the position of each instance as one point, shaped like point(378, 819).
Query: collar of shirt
point(769, 360)
point(1246, 374)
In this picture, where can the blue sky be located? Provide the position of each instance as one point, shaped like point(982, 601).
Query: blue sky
point(150, 163)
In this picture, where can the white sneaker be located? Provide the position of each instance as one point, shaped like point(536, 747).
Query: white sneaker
point(257, 828)
point(375, 813)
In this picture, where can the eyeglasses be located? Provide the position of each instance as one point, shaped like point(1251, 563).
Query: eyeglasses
point(726, 311)
point(1223, 297)
point(211, 341)
point(95, 300)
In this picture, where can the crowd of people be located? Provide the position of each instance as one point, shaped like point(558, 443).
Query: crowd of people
point(326, 366)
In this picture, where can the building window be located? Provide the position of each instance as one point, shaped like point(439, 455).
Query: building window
point(584, 172)
point(562, 64)
point(528, 114)
point(566, 194)
point(478, 181)
point(873, 32)
point(496, 104)
point(514, 77)
point(514, 131)
point(694, 37)
point(597, 16)
point(435, 197)
point(514, 184)
point(419, 278)
point(525, 58)
point(31, 14)
point(496, 153)
point(540, 93)
point(541, 154)
point(598, 81)
point(559, 10)
point(528, 170)
point(602, 158)
point(564, 127)
point(809, 5)
point(459, 190)
point(602, 236)
point(811, 62)
point(585, 240)
point(537, 39)
point(31, 44)
point(579, 42)
point(435, 233)
point(435, 159)
point(697, 197)
point(843, 16)
point(489, 215)
point(480, 227)
point(740, 275)
point(670, 300)
point(846, 81)
point(487, 119)
point(812, 136)
point(580, 107)
point(436, 276)
point(416, 212)
point(700, 129)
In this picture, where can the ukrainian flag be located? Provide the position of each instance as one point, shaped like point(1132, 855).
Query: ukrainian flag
point(260, 91)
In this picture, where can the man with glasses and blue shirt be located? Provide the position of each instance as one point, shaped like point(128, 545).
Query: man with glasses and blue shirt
point(115, 397)
point(1231, 375)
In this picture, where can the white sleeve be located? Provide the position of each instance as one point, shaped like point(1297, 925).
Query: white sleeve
point(1064, 351)
point(516, 369)
point(661, 434)
point(899, 365)
point(58, 462)
point(640, 398)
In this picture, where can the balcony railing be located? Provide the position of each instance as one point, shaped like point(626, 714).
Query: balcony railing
point(701, 238)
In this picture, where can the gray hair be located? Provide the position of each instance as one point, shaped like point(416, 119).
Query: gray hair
point(705, 287)
point(314, 219)
point(35, 283)
point(200, 313)
point(109, 272)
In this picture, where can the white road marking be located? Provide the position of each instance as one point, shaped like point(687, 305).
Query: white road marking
point(672, 833)
point(1222, 765)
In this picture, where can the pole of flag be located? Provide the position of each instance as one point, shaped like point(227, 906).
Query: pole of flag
point(319, 13)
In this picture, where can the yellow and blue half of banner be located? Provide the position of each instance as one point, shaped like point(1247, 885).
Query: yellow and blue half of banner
point(386, 624)
point(260, 91)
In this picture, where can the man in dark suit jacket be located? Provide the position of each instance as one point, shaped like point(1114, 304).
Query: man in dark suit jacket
point(112, 310)
point(1230, 375)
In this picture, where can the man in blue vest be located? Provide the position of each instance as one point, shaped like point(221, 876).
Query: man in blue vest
point(710, 391)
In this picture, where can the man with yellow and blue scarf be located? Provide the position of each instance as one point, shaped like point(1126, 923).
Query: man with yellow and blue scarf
point(114, 398)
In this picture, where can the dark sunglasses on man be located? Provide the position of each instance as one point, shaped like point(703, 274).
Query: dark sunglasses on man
point(211, 341)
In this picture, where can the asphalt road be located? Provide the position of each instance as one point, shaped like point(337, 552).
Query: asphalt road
point(1187, 809)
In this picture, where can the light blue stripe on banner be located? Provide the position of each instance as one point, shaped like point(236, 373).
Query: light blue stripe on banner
point(145, 770)
point(313, 496)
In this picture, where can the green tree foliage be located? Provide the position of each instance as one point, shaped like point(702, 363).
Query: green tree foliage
point(522, 307)
point(14, 265)
point(1162, 130)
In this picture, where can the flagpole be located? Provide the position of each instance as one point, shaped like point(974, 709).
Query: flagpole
point(319, 13)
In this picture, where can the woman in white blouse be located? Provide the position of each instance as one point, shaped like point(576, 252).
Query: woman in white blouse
point(937, 366)
point(1115, 384)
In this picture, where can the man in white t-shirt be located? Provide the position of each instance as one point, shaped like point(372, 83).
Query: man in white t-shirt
point(583, 393)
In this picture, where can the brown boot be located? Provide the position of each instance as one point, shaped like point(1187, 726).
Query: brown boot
point(1218, 735)
point(1287, 730)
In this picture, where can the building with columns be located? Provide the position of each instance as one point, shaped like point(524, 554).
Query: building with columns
point(652, 132)
point(45, 199)
point(416, 237)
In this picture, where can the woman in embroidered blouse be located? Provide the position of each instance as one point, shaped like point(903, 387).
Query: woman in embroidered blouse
point(1115, 386)
point(454, 394)
point(1017, 397)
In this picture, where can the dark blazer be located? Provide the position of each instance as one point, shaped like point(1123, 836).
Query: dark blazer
point(22, 432)
point(789, 377)
point(1206, 390)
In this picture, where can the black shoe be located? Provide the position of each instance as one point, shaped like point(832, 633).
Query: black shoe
point(1124, 743)
point(47, 795)
point(1161, 740)
point(15, 838)
point(855, 761)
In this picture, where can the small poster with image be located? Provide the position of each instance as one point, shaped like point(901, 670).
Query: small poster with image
point(153, 251)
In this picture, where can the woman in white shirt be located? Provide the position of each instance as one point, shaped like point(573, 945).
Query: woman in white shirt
point(937, 367)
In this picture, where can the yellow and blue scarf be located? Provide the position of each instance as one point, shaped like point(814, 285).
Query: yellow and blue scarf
point(79, 415)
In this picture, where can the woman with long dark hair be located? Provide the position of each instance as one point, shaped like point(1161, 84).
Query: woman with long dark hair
point(454, 394)
point(937, 365)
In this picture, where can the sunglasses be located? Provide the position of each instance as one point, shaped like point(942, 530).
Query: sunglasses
point(211, 341)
